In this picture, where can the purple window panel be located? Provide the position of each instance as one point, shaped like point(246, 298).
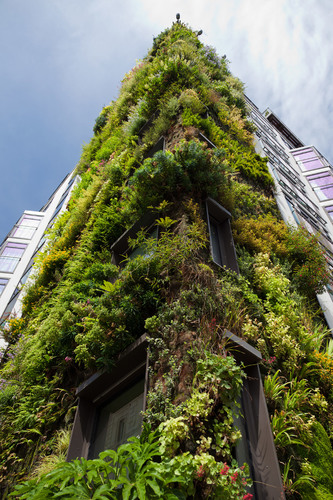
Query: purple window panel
point(10, 256)
point(324, 193)
point(14, 249)
point(304, 154)
point(307, 159)
point(27, 227)
point(323, 179)
point(311, 164)
point(329, 210)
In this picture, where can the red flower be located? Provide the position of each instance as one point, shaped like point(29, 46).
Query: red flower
point(248, 496)
point(233, 478)
point(200, 471)
point(224, 470)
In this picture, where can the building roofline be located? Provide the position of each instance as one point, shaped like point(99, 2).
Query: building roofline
point(282, 128)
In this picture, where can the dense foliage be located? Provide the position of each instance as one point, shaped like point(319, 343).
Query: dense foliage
point(81, 310)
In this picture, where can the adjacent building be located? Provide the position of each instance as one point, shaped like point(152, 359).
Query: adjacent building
point(303, 185)
point(24, 241)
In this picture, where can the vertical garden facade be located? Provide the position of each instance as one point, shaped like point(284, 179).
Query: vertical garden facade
point(167, 287)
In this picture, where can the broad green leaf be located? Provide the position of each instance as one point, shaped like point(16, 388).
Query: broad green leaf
point(141, 489)
point(155, 487)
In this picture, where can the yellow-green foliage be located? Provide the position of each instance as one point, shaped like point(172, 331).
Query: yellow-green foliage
point(189, 99)
point(262, 234)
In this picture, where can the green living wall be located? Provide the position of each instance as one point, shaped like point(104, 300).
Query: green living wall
point(81, 310)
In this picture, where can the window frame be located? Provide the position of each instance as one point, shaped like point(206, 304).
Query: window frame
point(26, 227)
point(16, 259)
point(263, 461)
point(120, 248)
point(131, 366)
point(215, 212)
point(2, 284)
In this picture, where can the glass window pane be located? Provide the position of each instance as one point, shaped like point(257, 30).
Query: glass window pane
point(307, 159)
point(323, 179)
point(24, 232)
point(142, 249)
point(14, 249)
point(311, 164)
point(215, 242)
point(8, 264)
point(119, 419)
point(324, 193)
point(30, 220)
point(10, 256)
point(27, 226)
point(304, 154)
point(3, 283)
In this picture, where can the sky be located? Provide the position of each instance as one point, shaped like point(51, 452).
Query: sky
point(61, 61)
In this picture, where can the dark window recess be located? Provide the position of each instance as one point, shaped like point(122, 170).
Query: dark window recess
point(120, 249)
point(110, 404)
point(146, 126)
point(257, 444)
point(221, 240)
point(158, 146)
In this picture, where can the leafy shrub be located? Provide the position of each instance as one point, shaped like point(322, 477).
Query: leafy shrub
point(263, 234)
point(130, 472)
point(308, 260)
point(101, 121)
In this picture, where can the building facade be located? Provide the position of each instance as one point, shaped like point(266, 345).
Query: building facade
point(21, 245)
point(146, 315)
point(303, 186)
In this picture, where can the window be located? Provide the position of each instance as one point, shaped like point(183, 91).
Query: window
point(120, 249)
point(117, 420)
point(10, 256)
point(26, 227)
point(221, 240)
point(329, 210)
point(257, 445)
point(158, 146)
point(3, 283)
point(110, 404)
point(307, 159)
point(322, 184)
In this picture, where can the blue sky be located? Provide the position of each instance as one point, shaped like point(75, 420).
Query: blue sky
point(61, 61)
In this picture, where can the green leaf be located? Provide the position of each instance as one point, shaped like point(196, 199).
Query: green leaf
point(141, 489)
point(103, 492)
point(126, 491)
point(155, 487)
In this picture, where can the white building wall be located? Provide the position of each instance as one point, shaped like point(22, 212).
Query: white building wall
point(11, 303)
point(296, 198)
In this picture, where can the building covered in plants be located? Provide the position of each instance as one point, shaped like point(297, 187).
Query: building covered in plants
point(174, 303)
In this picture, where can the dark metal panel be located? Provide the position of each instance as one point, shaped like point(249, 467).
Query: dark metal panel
point(82, 428)
point(265, 465)
point(130, 365)
point(120, 247)
point(222, 217)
